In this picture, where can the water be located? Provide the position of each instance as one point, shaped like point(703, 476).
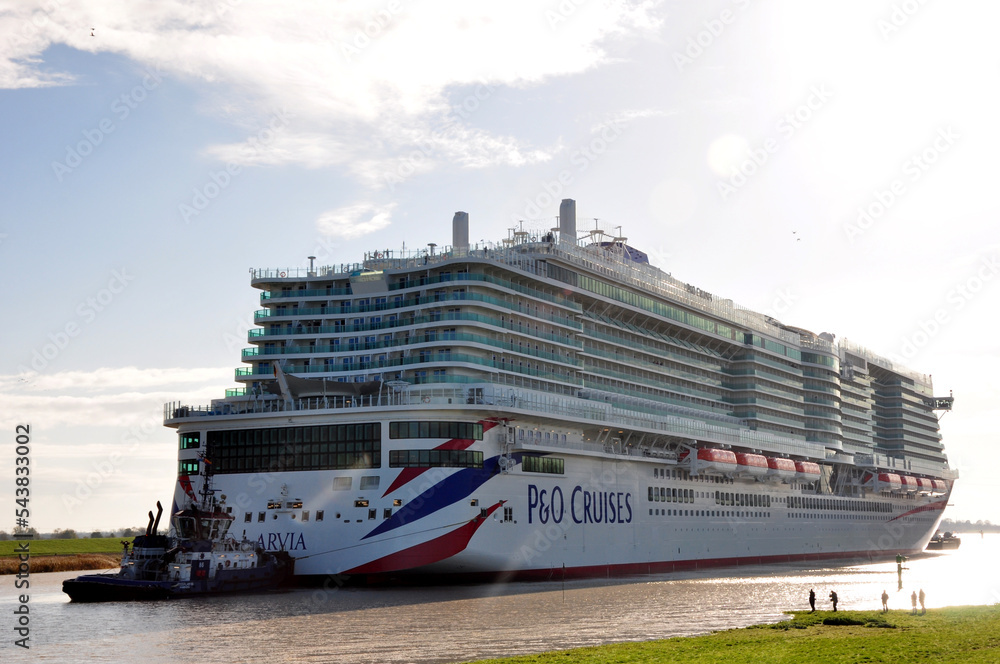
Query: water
point(455, 624)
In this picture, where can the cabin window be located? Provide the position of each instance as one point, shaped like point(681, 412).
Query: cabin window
point(190, 441)
point(369, 482)
point(188, 468)
point(319, 515)
point(341, 483)
point(260, 517)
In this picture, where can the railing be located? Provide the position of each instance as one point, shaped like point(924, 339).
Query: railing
point(511, 325)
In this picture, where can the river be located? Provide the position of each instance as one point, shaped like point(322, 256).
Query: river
point(462, 623)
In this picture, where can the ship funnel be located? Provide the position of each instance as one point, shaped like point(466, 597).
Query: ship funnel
point(567, 221)
point(149, 526)
point(159, 512)
point(460, 232)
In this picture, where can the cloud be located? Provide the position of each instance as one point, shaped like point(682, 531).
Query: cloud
point(367, 82)
point(120, 397)
point(354, 221)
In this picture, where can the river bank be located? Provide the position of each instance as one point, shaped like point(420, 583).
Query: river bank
point(62, 562)
point(953, 634)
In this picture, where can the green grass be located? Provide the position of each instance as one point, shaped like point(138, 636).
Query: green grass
point(957, 634)
point(51, 547)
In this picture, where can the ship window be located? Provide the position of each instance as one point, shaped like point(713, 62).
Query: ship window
point(387, 513)
point(474, 502)
point(341, 483)
point(435, 459)
point(543, 464)
point(188, 468)
point(247, 517)
point(361, 503)
point(369, 482)
point(319, 515)
point(260, 517)
point(396, 502)
point(274, 504)
point(305, 515)
point(190, 441)
point(371, 514)
point(465, 430)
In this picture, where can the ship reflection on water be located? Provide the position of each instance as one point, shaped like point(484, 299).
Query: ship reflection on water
point(462, 623)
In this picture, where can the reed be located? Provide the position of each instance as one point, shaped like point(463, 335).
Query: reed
point(65, 563)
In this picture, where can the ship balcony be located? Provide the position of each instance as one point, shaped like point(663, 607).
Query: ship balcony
point(487, 279)
point(439, 359)
point(817, 387)
point(759, 359)
point(414, 343)
point(630, 344)
point(468, 317)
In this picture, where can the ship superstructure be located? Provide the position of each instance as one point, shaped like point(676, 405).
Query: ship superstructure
point(555, 402)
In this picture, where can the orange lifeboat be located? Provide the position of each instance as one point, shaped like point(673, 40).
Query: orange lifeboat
point(722, 461)
point(781, 468)
point(940, 486)
point(751, 464)
point(807, 470)
point(925, 484)
point(890, 480)
point(910, 483)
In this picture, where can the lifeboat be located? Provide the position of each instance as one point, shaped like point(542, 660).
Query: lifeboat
point(751, 464)
point(781, 468)
point(924, 484)
point(909, 484)
point(940, 486)
point(722, 461)
point(807, 470)
point(890, 481)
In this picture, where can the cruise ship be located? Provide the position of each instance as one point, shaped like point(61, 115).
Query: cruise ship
point(550, 406)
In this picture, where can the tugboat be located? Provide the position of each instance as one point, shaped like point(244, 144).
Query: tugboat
point(946, 541)
point(202, 559)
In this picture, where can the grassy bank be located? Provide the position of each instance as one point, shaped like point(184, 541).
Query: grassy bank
point(956, 634)
point(66, 563)
point(62, 547)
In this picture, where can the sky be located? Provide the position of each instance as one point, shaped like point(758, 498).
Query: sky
point(831, 164)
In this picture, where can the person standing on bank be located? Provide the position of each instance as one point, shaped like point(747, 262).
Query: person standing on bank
point(921, 597)
point(833, 598)
point(812, 601)
point(913, 600)
point(885, 601)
